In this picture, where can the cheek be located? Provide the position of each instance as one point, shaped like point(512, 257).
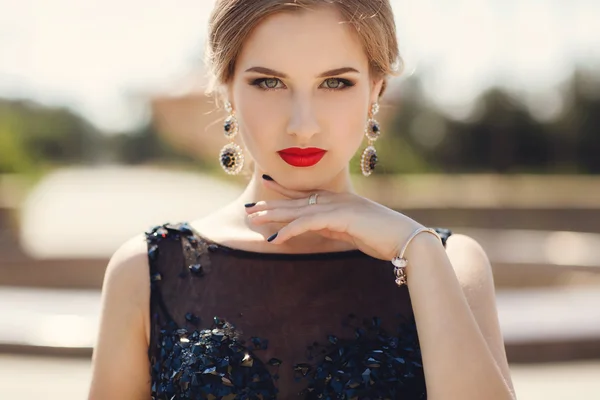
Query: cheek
point(261, 117)
point(347, 120)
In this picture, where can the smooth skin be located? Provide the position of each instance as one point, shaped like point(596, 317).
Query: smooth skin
point(293, 101)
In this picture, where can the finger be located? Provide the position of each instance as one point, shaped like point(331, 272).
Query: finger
point(287, 214)
point(271, 204)
point(292, 203)
point(313, 222)
point(291, 193)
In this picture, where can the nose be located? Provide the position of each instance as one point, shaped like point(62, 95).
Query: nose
point(303, 121)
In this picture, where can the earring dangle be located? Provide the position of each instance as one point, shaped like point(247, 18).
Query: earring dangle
point(368, 160)
point(231, 157)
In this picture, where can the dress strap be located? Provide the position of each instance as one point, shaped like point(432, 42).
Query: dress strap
point(444, 234)
point(157, 239)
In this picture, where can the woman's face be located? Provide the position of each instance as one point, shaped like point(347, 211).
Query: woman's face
point(302, 80)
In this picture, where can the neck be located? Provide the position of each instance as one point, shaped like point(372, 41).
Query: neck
point(256, 191)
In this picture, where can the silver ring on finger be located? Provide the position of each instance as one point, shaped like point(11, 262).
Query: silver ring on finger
point(312, 200)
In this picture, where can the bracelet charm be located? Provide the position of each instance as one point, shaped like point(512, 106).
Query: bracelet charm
point(400, 262)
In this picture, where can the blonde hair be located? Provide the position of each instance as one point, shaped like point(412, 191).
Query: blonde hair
point(232, 21)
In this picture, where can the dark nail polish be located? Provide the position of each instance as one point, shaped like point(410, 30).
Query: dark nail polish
point(249, 205)
point(272, 237)
point(267, 177)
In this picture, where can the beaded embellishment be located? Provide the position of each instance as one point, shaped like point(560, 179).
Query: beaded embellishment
point(213, 363)
point(374, 364)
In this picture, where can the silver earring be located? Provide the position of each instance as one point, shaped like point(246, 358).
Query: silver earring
point(231, 157)
point(368, 160)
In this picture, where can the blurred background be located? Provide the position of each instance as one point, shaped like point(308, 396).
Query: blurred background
point(492, 131)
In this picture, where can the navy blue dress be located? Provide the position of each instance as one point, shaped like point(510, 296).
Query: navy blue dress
point(235, 324)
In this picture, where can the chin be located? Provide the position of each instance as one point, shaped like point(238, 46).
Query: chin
point(300, 178)
point(304, 179)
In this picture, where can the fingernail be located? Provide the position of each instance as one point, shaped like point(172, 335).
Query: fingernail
point(249, 205)
point(267, 177)
point(272, 237)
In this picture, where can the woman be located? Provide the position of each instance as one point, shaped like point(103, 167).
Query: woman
point(288, 292)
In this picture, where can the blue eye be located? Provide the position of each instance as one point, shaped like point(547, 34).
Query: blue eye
point(271, 83)
point(266, 83)
point(336, 83)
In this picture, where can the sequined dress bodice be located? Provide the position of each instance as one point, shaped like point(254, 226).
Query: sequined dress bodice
point(234, 324)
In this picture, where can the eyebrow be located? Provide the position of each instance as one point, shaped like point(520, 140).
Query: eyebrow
point(272, 72)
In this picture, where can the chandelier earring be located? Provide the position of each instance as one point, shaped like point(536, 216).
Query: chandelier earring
point(368, 160)
point(231, 157)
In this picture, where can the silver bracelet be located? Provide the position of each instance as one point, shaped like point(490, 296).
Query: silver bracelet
point(400, 262)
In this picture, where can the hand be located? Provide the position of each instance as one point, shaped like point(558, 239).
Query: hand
point(372, 228)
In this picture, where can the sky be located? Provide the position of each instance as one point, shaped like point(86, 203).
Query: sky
point(104, 58)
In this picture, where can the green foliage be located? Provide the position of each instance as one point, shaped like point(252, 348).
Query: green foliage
point(13, 157)
point(142, 146)
point(503, 137)
point(34, 136)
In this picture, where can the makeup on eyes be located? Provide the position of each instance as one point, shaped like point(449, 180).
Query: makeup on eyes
point(258, 81)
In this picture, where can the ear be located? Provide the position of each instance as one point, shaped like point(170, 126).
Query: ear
point(376, 85)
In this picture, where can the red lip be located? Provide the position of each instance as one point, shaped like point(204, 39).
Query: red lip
point(298, 157)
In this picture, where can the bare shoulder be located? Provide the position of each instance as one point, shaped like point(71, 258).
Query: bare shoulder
point(474, 272)
point(133, 249)
point(128, 268)
point(127, 280)
point(126, 283)
point(119, 360)
point(470, 261)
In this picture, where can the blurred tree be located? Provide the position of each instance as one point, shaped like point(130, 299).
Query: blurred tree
point(13, 154)
point(34, 136)
point(397, 150)
point(145, 145)
point(584, 118)
point(502, 137)
point(505, 138)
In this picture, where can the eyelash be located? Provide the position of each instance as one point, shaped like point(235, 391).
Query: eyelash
point(347, 84)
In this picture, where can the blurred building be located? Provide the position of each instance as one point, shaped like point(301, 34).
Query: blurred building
point(187, 118)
